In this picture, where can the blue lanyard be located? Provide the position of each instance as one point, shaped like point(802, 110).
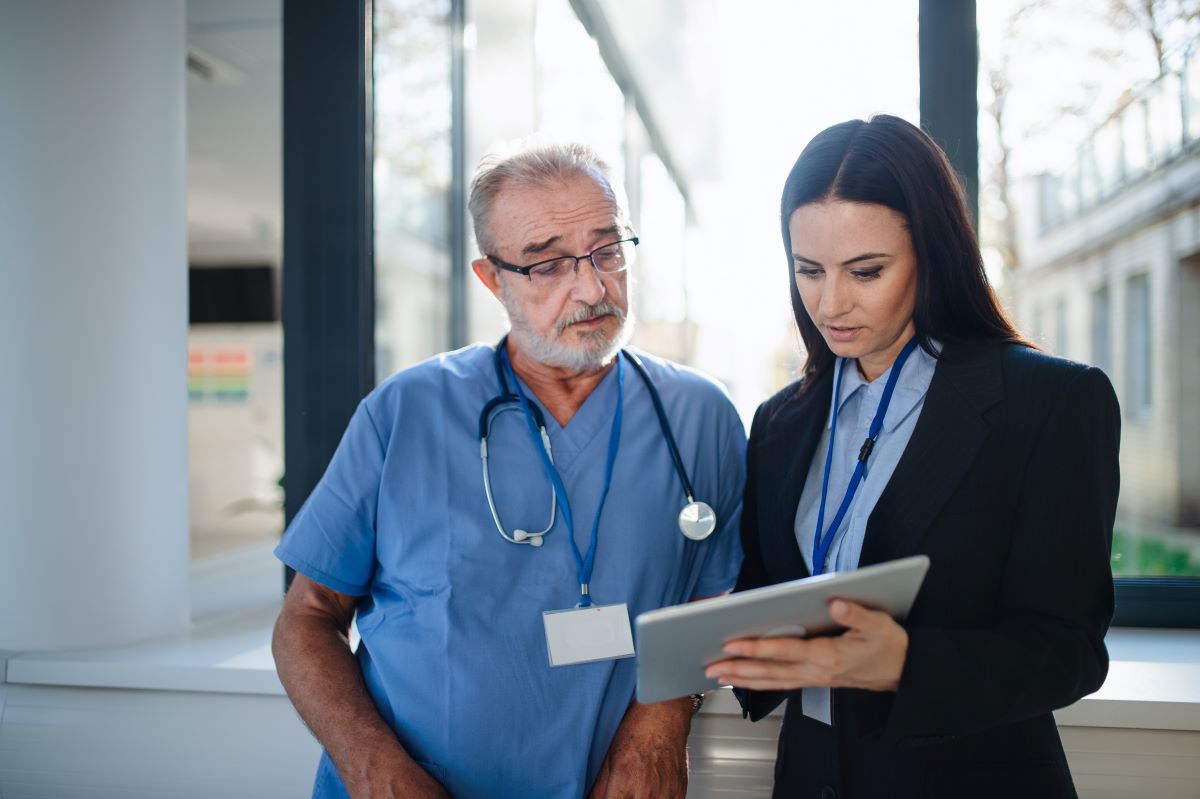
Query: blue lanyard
point(583, 563)
point(822, 543)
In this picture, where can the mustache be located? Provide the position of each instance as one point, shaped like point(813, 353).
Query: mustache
point(603, 308)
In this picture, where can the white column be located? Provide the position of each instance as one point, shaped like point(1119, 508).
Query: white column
point(93, 322)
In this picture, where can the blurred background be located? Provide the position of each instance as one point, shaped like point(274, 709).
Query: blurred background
point(222, 222)
point(1089, 115)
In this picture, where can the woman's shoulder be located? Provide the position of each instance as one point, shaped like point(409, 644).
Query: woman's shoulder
point(1039, 378)
point(1026, 366)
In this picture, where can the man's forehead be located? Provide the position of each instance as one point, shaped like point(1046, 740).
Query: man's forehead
point(530, 214)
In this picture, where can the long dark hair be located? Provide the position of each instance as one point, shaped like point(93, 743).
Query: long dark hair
point(887, 161)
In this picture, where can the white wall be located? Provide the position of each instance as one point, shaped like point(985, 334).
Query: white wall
point(93, 459)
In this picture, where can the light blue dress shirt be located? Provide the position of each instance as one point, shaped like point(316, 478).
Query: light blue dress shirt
point(856, 406)
point(453, 645)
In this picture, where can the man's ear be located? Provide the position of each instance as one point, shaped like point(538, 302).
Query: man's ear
point(488, 275)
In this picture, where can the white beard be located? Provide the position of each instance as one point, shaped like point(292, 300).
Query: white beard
point(596, 349)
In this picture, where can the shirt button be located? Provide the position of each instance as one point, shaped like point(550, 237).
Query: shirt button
point(828, 792)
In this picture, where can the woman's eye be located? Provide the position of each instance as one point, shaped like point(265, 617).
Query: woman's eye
point(867, 274)
point(806, 271)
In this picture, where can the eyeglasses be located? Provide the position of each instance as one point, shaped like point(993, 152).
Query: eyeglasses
point(607, 260)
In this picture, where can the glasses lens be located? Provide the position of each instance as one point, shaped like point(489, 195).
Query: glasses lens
point(613, 257)
point(552, 271)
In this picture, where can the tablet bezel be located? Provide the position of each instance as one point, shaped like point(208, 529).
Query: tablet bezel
point(675, 644)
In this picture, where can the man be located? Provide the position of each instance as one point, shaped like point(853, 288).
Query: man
point(466, 586)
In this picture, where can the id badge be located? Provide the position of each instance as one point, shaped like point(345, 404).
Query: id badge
point(583, 635)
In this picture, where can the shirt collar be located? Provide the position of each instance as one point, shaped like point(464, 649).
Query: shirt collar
point(911, 386)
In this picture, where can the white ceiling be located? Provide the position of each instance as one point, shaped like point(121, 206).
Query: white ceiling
point(234, 132)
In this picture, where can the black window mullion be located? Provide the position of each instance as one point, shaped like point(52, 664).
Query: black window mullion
point(328, 272)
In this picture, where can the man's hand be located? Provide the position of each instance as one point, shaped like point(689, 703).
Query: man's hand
point(870, 654)
point(391, 775)
point(324, 682)
point(648, 756)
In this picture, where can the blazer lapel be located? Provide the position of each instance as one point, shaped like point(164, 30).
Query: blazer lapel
point(787, 451)
point(951, 429)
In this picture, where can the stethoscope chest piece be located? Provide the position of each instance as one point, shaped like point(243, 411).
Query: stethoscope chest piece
point(697, 520)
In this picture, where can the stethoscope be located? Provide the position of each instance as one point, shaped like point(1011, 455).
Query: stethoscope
point(697, 520)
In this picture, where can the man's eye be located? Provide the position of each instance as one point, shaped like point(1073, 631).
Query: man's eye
point(552, 269)
point(607, 255)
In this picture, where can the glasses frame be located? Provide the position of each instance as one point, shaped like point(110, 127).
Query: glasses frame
point(526, 270)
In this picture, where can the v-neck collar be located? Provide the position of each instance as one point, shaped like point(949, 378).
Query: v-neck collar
point(592, 420)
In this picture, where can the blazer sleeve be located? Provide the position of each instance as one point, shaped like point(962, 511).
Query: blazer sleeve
point(1045, 648)
point(755, 704)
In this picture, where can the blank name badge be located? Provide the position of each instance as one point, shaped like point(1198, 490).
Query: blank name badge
point(582, 635)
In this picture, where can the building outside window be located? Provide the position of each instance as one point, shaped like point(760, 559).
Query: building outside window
point(412, 176)
point(1102, 330)
point(1090, 198)
point(1139, 352)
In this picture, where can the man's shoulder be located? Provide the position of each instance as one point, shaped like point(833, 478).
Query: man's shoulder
point(436, 376)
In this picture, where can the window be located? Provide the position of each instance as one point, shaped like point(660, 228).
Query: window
point(1062, 336)
point(1086, 119)
point(1139, 355)
point(413, 182)
point(1102, 330)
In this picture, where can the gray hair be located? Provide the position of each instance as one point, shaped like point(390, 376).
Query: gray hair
point(540, 166)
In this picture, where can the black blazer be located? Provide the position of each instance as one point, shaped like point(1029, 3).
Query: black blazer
point(1009, 485)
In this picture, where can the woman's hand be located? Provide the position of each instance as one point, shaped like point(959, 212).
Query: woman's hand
point(870, 654)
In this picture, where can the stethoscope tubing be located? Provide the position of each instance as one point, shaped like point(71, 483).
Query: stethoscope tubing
point(508, 396)
point(661, 413)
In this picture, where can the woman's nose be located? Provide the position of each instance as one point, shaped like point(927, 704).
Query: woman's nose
point(835, 297)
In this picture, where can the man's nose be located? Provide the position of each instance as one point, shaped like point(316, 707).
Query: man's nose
point(588, 285)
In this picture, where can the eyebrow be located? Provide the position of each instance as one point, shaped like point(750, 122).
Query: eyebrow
point(866, 256)
point(536, 247)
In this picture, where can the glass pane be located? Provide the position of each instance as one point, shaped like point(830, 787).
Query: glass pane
point(412, 181)
point(1101, 330)
point(576, 97)
point(1088, 138)
point(1138, 351)
point(1191, 74)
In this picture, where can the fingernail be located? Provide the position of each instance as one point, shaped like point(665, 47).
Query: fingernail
point(838, 608)
point(733, 649)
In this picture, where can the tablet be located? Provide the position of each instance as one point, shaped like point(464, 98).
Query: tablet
point(675, 644)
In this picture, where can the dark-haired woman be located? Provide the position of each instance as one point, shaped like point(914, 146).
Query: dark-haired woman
point(997, 461)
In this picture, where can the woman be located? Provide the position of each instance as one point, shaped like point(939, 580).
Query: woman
point(997, 461)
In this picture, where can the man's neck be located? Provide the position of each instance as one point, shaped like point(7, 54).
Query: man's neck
point(561, 391)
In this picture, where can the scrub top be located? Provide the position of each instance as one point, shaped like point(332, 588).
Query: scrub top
point(453, 647)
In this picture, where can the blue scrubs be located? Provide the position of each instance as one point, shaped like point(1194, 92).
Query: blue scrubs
point(453, 647)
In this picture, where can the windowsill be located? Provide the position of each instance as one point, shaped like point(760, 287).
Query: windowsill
point(1153, 681)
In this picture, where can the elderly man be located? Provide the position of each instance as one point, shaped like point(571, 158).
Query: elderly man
point(496, 516)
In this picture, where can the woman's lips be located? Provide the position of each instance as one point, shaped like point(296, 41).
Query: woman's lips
point(840, 333)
